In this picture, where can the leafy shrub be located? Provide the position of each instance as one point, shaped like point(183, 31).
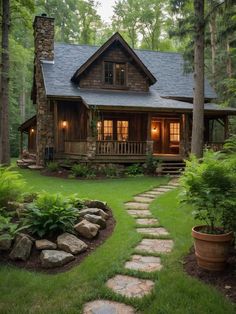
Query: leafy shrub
point(82, 171)
point(75, 201)
point(210, 187)
point(8, 229)
point(29, 197)
point(51, 214)
point(151, 164)
point(11, 186)
point(110, 171)
point(53, 166)
point(134, 169)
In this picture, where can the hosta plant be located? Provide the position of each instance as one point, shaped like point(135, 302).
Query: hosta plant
point(51, 214)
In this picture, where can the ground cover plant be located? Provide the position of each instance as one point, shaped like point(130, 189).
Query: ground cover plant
point(175, 292)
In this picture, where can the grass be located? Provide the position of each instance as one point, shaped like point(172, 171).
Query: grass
point(27, 292)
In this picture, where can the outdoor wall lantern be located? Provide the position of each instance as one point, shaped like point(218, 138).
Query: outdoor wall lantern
point(32, 130)
point(64, 124)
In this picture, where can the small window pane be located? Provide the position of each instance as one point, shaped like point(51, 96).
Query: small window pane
point(108, 73)
point(174, 132)
point(99, 130)
point(122, 130)
point(108, 130)
point(120, 73)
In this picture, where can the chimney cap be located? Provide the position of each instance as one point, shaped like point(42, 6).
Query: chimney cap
point(44, 14)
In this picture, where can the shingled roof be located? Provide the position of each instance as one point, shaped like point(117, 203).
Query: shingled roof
point(166, 67)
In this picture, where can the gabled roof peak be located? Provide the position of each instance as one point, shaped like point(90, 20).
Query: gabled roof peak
point(114, 38)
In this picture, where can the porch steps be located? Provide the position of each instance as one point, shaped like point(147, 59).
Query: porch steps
point(173, 168)
point(25, 163)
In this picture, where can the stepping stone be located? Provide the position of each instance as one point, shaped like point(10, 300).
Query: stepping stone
point(136, 205)
point(155, 193)
point(147, 195)
point(147, 221)
point(144, 263)
point(139, 213)
point(153, 231)
point(107, 307)
point(142, 199)
point(155, 246)
point(130, 287)
point(170, 187)
point(160, 189)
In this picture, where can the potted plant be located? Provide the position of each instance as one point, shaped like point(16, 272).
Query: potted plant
point(210, 187)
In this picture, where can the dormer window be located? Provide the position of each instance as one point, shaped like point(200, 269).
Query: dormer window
point(114, 73)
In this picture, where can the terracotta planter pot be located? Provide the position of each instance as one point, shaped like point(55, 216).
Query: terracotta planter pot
point(211, 250)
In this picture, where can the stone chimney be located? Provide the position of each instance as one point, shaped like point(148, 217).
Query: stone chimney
point(44, 37)
point(44, 50)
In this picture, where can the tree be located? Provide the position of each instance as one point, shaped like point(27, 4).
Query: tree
point(198, 97)
point(4, 91)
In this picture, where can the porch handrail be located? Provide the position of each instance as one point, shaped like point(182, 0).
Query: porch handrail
point(120, 147)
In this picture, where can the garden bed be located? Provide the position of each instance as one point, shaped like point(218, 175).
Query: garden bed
point(34, 264)
point(224, 281)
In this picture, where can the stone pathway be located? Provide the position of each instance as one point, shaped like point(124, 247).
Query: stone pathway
point(131, 286)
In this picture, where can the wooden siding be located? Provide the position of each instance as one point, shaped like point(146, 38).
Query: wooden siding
point(76, 115)
point(94, 78)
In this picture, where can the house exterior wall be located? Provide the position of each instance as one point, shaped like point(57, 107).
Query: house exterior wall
point(44, 50)
point(94, 76)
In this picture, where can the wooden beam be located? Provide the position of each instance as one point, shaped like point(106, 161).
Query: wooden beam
point(55, 115)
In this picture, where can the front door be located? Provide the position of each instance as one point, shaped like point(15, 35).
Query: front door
point(165, 134)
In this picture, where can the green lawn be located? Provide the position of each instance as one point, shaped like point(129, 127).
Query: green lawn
point(175, 292)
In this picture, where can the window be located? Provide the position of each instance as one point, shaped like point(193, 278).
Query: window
point(108, 73)
point(174, 132)
point(114, 73)
point(122, 130)
point(108, 129)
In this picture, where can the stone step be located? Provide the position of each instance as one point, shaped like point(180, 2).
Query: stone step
point(142, 199)
point(161, 189)
point(158, 231)
point(147, 195)
point(147, 221)
point(136, 205)
point(155, 193)
point(130, 287)
point(155, 246)
point(107, 307)
point(144, 263)
point(35, 167)
point(170, 187)
point(139, 213)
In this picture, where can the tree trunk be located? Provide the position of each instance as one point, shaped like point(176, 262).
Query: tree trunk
point(4, 92)
point(229, 61)
point(212, 26)
point(198, 98)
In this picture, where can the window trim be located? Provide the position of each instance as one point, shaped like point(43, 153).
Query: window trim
point(114, 85)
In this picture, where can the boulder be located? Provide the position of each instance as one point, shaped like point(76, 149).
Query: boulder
point(96, 204)
point(44, 244)
point(22, 248)
point(70, 243)
point(87, 229)
point(5, 243)
point(54, 258)
point(93, 211)
point(98, 220)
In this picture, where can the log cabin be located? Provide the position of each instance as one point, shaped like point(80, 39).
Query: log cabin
point(113, 103)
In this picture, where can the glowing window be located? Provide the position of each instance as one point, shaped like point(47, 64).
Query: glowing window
point(108, 129)
point(122, 130)
point(174, 132)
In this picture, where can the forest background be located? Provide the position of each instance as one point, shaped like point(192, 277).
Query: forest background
point(164, 25)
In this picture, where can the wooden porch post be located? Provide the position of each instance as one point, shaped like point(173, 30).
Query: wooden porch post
point(21, 144)
point(226, 127)
point(149, 149)
point(55, 126)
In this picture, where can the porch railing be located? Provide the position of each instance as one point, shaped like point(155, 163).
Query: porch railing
point(120, 148)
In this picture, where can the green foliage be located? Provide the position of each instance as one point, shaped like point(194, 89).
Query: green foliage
point(82, 171)
point(11, 186)
point(110, 171)
point(210, 187)
point(134, 170)
point(76, 201)
point(8, 229)
point(151, 164)
point(51, 214)
point(53, 166)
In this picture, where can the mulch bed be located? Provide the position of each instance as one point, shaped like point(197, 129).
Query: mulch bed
point(224, 281)
point(33, 264)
